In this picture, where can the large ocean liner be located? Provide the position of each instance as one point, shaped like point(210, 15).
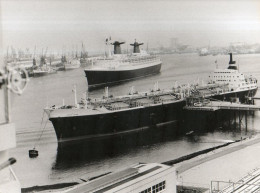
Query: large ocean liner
point(119, 67)
point(111, 116)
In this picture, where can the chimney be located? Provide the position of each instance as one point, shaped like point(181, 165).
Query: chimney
point(136, 47)
point(117, 48)
point(231, 59)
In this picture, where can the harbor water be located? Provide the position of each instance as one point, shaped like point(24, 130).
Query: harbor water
point(82, 160)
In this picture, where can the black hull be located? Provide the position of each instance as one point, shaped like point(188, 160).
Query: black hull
point(117, 123)
point(97, 79)
point(121, 123)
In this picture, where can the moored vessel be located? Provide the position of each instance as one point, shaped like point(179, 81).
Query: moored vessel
point(108, 116)
point(119, 67)
point(42, 69)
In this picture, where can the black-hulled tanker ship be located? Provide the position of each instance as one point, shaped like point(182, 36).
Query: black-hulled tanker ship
point(119, 67)
point(109, 116)
point(105, 118)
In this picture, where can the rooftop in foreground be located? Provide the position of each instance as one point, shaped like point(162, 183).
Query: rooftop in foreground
point(140, 177)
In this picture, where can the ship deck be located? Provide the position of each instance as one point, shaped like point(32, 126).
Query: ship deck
point(110, 104)
point(120, 66)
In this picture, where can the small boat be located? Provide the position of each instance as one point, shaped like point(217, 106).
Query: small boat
point(190, 133)
point(33, 153)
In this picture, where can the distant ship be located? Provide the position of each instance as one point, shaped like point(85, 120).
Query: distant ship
point(119, 67)
point(21, 63)
point(204, 52)
point(72, 64)
point(111, 116)
point(69, 64)
point(42, 70)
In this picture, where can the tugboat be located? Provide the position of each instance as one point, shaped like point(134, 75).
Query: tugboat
point(117, 68)
point(137, 111)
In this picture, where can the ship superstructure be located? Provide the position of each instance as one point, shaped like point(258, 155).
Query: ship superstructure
point(236, 80)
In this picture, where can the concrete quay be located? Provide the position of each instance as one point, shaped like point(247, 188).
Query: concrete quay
point(229, 164)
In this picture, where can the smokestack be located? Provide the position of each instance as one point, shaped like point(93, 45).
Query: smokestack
point(136, 47)
point(117, 48)
point(231, 59)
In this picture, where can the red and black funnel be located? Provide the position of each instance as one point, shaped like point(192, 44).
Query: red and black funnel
point(117, 48)
point(136, 47)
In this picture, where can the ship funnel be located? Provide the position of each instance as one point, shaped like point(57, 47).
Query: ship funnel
point(117, 48)
point(231, 59)
point(231, 63)
point(136, 47)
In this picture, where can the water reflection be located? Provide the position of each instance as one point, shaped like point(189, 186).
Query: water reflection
point(193, 129)
point(82, 152)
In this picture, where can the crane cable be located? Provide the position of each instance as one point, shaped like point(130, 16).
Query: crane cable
point(42, 129)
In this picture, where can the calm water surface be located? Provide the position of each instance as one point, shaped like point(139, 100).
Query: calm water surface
point(83, 160)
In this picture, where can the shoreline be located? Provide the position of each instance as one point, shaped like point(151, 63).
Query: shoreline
point(219, 152)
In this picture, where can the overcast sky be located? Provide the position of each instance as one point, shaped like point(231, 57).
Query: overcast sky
point(58, 23)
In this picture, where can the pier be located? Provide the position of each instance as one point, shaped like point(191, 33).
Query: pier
point(227, 112)
point(221, 105)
